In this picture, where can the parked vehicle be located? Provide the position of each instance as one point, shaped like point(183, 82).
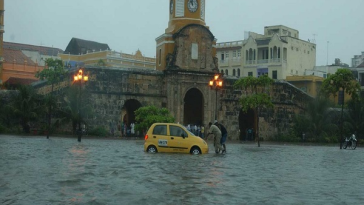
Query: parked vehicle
point(171, 137)
point(351, 142)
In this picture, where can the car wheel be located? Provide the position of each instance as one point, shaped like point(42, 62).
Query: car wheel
point(195, 151)
point(152, 149)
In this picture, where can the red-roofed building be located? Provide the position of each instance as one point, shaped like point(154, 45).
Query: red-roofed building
point(16, 65)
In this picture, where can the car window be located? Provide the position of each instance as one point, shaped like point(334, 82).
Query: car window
point(177, 131)
point(160, 130)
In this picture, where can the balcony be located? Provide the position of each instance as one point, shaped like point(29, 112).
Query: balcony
point(230, 44)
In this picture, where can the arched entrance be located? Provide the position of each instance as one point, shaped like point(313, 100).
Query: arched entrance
point(128, 115)
point(246, 122)
point(193, 107)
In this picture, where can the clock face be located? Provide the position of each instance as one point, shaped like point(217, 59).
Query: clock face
point(192, 5)
point(171, 7)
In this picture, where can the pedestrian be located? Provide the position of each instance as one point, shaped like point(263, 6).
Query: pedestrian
point(250, 134)
point(223, 134)
point(202, 131)
point(217, 137)
point(132, 130)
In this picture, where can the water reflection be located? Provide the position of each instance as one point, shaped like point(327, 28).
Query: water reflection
point(63, 171)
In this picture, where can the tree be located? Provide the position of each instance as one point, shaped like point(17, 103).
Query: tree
point(354, 118)
point(26, 106)
point(256, 96)
point(54, 73)
point(70, 111)
point(146, 116)
point(317, 121)
point(343, 80)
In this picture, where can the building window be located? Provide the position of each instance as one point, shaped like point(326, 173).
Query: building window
point(274, 74)
point(227, 55)
point(234, 72)
point(239, 54)
point(234, 54)
point(194, 51)
point(222, 71)
point(222, 56)
point(239, 72)
point(226, 72)
point(250, 73)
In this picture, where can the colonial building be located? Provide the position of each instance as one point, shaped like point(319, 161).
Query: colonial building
point(18, 68)
point(20, 62)
point(81, 52)
point(38, 54)
point(278, 52)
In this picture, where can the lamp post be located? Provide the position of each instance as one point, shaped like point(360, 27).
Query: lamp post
point(216, 83)
point(80, 78)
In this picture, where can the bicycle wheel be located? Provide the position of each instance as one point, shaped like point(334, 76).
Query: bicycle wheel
point(345, 144)
point(353, 145)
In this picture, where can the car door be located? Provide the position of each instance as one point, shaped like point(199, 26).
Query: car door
point(160, 138)
point(179, 139)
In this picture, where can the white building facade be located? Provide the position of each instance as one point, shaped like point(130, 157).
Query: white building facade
point(278, 53)
point(357, 60)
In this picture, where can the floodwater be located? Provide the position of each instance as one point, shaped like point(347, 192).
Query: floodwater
point(34, 170)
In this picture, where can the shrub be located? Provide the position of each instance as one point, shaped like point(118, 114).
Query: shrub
point(98, 131)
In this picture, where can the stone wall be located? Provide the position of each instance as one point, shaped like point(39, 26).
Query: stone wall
point(287, 101)
point(110, 90)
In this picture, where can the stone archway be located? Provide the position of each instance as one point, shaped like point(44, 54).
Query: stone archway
point(193, 107)
point(127, 114)
point(246, 121)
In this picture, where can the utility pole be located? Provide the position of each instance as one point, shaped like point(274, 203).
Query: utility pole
point(327, 59)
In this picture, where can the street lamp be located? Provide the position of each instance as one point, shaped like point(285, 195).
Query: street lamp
point(80, 78)
point(216, 83)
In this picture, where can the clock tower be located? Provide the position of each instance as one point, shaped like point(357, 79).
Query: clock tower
point(187, 42)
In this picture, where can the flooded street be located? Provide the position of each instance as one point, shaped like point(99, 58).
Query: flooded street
point(34, 170)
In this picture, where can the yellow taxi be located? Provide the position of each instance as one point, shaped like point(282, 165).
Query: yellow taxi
point(171, 137)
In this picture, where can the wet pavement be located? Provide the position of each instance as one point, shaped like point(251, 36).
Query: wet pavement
point(34, 170)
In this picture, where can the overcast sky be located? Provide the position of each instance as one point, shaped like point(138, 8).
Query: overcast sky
point(128, 25)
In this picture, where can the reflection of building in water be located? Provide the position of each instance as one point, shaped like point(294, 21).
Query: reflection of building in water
point(81, 52)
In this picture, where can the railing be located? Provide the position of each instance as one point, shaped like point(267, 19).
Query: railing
point(275, 60)
point(250, 62)
point(230, 44)
point(263, 61)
